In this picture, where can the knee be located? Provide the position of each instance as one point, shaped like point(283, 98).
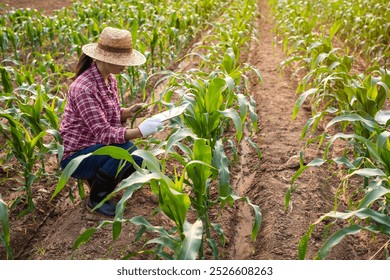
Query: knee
point(131, 148)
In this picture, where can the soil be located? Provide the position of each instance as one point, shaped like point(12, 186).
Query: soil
point(50, 231)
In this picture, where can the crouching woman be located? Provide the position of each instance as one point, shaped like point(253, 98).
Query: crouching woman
point(93, 117)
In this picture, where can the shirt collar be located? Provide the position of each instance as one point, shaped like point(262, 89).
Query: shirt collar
point(101, 84)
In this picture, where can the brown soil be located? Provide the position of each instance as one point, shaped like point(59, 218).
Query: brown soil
point(47, 6)
point(50, 232)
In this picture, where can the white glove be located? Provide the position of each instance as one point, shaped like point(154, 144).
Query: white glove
point(150, 126)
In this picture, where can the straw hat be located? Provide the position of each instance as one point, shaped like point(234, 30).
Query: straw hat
point(114, 46)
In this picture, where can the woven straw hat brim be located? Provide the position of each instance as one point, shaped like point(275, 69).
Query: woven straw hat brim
point(124, 59)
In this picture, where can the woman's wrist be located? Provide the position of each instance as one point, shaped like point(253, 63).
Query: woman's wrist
point(126, 114)
point(132, 133)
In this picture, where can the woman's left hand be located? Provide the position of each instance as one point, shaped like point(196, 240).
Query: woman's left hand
point(132, 111)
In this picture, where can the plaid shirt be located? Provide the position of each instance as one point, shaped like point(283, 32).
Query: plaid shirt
point(92, 113)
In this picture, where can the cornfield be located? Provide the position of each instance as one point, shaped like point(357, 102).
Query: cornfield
point(188, 169)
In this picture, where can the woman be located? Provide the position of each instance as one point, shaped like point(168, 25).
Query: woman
point(93, 117)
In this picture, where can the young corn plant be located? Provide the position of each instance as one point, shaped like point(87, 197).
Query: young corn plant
point(371, 212)
point(355, 102)
point(23, 148)
point(5, 237)
point(184, 240)
point(24, 130)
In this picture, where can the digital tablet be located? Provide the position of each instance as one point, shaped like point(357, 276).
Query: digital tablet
point(171, 113)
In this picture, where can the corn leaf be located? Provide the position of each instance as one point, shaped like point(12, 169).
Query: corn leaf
point(301, 99)
point(374, 194)
point(220, 161)
point(192, 241)
point(5, 229)
point(232, 114)
point(84, 237)
point(67, 173)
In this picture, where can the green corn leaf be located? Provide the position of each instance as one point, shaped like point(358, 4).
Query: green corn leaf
point(178, 136)
point(115, 152)
point(310, 122)
point(334, 28)
point(5, 229)
point(166, 241)
point(138, 178)
point(303, 242)
point(220, 232)
point(6, 80)
point(214, 98)
point(232, 114)
point(120, 207)
point(374, 194)
point(229, 61)
point(253, 114)
point(132, 183)
point(383, 140)
point(335, 239)
point(301, 99)
point(368, 172)
point(258, 218)
point(220, 161)
point(141, 221)
point(316, 162)
point(67, 173)
point(37, 108)
point(199, 169)
point(35, 140)
point(84, 237)
point(174, 204)
point(139, 234)
point(243, 104)
point(151, 162)
point(370, 146)
point(255, 146)
point(345, 161)
point(298, 173)
point(214, 248)
point(116, 230)
point(354, 118)
point(192, 241)
point(229, 83)
point(362, 213)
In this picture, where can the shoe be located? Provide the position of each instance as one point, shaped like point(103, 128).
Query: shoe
point(102, 185)
point(107, 209)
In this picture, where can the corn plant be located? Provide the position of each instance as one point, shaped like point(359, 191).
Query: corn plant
point(5, 236)
point(23, 146)
point(172, 200)
point(364, 28)
point(24, 131)
point(160, 30)
point(371, 213)
point(353, 101)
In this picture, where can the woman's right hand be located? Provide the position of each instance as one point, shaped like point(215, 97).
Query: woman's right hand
point(150, 126)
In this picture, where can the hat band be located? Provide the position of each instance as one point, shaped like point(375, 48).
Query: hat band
point(113, 49)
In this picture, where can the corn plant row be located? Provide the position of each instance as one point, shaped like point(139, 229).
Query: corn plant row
point(355, 102)
point(159, 31)
point(364, 24)
point(35, 69)
point(195, 146)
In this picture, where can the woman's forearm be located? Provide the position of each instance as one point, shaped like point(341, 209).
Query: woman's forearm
point(132, 133)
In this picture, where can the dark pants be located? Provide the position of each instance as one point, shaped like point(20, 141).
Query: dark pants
point(90, 165)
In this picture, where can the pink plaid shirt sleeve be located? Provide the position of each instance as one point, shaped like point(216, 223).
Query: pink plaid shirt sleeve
point(92, 113)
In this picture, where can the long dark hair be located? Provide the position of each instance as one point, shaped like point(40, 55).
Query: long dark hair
point(84, 63)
